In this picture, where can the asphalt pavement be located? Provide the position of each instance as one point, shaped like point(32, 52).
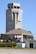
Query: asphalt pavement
point(17, 51)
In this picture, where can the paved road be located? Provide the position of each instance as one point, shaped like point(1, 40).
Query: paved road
point(17, 51)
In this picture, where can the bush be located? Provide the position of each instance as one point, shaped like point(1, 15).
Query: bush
point(2, 44)
point(8, 44)
point(13, 44)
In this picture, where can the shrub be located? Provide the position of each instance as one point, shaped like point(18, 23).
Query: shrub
point(13, 44)
point(2, 44)
point(8, 44)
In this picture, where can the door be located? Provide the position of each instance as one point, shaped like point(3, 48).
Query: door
point(31, 45)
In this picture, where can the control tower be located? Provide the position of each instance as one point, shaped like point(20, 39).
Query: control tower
point(13, 16)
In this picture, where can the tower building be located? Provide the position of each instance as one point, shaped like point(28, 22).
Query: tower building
point(13, 17)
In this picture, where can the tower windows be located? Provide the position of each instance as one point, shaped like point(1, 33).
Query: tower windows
point(14, 6)
point(11, 6)
point(18, 7)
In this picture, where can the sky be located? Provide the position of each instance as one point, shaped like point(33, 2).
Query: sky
point(29, 14)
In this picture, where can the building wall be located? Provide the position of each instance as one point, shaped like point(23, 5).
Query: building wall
point(34, 44)
point(27, 44)
point(10, 23)
point(21, 45)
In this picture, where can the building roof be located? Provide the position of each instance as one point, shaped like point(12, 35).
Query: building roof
point(14, 4)
point(19, 31)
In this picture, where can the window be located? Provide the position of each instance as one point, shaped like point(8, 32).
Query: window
point(14, 6)
point(11, 6)
point(18, 7)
